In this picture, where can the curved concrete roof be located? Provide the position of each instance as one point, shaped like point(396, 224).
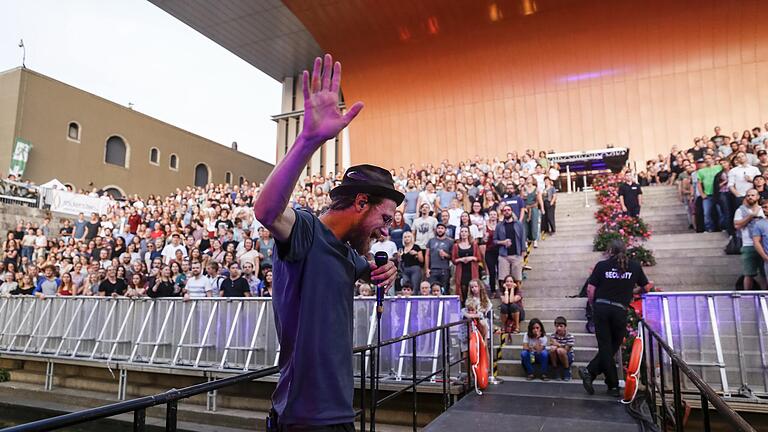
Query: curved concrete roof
point(265, 33)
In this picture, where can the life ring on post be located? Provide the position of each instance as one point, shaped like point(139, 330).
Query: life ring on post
point(478, 358)
point(633, 369)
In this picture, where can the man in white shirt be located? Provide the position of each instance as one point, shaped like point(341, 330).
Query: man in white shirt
point(424, 226)
point(214, 279)
point(539, 176)
point(740, 177)
point(197, 285)
point(386, 245)
point(169, 251)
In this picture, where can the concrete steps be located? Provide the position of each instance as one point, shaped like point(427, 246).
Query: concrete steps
point(686, 261)
point(514, 368)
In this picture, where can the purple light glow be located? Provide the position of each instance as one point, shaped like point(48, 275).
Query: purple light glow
point(588, 75)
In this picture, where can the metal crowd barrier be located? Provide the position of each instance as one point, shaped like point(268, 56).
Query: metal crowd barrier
point(18, 193)
point(221, 334)
point(722, 336)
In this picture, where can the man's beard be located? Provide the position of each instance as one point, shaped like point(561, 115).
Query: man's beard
point(360, 241)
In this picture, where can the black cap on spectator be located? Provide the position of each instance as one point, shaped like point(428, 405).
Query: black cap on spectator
point(440, 224)
point(700, 160)
point(761, 152)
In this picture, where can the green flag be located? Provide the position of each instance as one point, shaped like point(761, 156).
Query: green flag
point(19, 159)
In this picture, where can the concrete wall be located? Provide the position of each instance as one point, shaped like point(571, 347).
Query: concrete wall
point(9, 101)
point(48, 106)
point(11, 214)
point(453, 78)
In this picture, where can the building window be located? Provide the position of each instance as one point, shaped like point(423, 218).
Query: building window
point(173, 162)
point(228, 177)
point(73, 131)
point(113, 192)
point(116, 152)
point(241, 180)
point(154, 156)
point(201, 175)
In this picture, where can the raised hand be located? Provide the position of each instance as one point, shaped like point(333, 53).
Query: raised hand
point(322, 118)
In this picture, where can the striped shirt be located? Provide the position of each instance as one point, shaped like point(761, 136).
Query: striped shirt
point(196, 287)
point(567, 340)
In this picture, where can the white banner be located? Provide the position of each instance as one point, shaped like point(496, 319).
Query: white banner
point(72, 203)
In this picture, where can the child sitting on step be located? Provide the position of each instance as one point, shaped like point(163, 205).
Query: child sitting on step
point(512, 311)
point(535, 349)
point(561, 349)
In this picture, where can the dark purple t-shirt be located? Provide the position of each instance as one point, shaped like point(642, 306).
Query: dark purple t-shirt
point(313, 294)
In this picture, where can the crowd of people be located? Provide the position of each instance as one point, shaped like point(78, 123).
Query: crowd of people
point(721, 181)
point(458, 223)
point(462, 229)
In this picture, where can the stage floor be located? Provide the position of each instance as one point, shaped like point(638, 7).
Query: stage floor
point(528, 406)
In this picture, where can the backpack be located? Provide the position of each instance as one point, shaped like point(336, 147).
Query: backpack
point(734, 245)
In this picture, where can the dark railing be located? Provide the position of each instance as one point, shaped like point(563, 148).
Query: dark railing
point(707, 394)
point(171, 397)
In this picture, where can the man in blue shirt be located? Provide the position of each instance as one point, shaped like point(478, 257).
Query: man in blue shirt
point(515, 201)
point(758, 230)
point(316, 263)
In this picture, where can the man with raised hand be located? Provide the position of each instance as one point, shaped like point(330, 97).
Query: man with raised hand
point(316, 263)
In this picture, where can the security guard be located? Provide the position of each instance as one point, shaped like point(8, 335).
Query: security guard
point(610, 289)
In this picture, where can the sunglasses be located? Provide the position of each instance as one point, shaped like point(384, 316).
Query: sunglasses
point(387, 220)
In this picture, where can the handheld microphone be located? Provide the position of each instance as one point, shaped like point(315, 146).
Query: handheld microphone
point(380, 258)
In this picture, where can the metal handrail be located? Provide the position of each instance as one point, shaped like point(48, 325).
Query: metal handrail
point(706, 393)
point(139, 405)
point(171, 397)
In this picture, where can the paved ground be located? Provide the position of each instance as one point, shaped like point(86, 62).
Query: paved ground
point(535, 406)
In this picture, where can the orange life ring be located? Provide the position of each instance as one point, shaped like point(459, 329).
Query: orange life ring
point(633, 370)
point(478, 358)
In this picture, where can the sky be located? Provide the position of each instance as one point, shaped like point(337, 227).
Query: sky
point(132, 51)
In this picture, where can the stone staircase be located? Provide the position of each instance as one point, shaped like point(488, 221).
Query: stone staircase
point(11, 214)
point(686, 261)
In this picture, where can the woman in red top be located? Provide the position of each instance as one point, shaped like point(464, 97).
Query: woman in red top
point(67, 287)
point(466, 258)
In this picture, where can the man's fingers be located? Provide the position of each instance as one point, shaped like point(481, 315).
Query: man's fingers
point(316, 71)
point(353, 112)
point(384, 272)
point(336, 82)
point(327, 71)
point(305, 85)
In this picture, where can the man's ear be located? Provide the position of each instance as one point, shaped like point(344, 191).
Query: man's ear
point(361, 202)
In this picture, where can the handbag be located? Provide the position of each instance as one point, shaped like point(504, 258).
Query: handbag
point(734, 245)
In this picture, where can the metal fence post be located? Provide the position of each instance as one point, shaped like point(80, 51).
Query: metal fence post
point(491, 378)
point(661, 384)
point(362, 391)
point(374, 386)
point(678, 401)
point(413, 377)
point(445, 362)
point(705, 411)
point(139, 420)
point(651, 367)
point(171, 412)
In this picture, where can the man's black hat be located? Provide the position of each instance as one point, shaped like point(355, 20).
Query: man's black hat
point(368, 179)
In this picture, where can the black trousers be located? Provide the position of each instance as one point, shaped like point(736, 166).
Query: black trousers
point(492, 259)
point(548, 221)
point(442, 277)
point(610, 329)
point(699, 214)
